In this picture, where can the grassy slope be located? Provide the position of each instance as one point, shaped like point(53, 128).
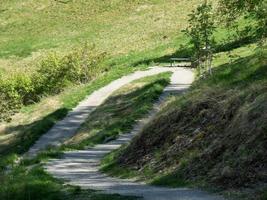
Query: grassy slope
point(35, 120)
point(214, 135)
point(31, 182)
point(34, 183)
point(39, 27)
point(31, 28)
point(120, 112)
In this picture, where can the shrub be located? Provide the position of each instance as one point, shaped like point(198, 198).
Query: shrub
point(7, 107)
point(15, 91)
point(78, 67)
point(52, 76)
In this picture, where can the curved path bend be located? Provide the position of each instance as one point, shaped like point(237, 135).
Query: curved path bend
point(81, 168)
point(67, 127)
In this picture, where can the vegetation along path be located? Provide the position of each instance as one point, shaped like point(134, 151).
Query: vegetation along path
point(70, 124)
point(81, 168)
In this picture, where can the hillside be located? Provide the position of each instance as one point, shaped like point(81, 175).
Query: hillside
point(78, 76)
point(214, 136)
point(34, 31)
point(37, 36)
point(135, 29)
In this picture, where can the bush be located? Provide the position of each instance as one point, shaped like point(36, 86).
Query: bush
point(56, 72)
point(7, 107)
point(20, 88)
point(52, 76)
point(15, 91)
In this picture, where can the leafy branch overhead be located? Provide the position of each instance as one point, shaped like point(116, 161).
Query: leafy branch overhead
point(256, 10)
point(201, 33)
point(202, 25)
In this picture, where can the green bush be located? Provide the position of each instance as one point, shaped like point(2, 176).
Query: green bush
point(15, 91)
point(54, 73)
point(50, 77)
point(20, 88)
point(7, 107)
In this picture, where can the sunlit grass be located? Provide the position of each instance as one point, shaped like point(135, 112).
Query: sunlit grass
point(34, 120)
point(119, 113)
point(30, 28)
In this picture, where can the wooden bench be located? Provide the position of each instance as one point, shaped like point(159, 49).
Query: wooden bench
point(187, 60)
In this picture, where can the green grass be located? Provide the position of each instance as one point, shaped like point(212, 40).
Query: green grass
point(119, 113)
point(33, 29)
point(109, 165)
point(41, 27)
point(30, 28)
point(235, 97)
point(230, 73)
point(37, 119)
point(173, 180)
point(24, 183)
point(29, 181)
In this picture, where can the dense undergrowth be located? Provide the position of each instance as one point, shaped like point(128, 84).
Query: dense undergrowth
point(214, 135)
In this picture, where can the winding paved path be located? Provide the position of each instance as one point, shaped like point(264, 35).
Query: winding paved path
point(82, 167)
point(70, 124)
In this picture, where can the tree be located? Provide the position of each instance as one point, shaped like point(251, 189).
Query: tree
point(200, 31)
point(233, 10)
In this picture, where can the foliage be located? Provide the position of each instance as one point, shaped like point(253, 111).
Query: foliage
point(53, 75)
point(232, 10)
point(23, 184)
point(15, 91)
point(78, 67)
point(201, 32)
point(201, 27)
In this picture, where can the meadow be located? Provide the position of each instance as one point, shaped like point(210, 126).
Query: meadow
point(30, 29)
point(54, 53)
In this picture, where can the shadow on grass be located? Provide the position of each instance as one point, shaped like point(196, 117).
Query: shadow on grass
point(34, 183)
point(187, 51)
point(32, 132)
point(118, 115)
point(242, 72)
point(171, 180)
